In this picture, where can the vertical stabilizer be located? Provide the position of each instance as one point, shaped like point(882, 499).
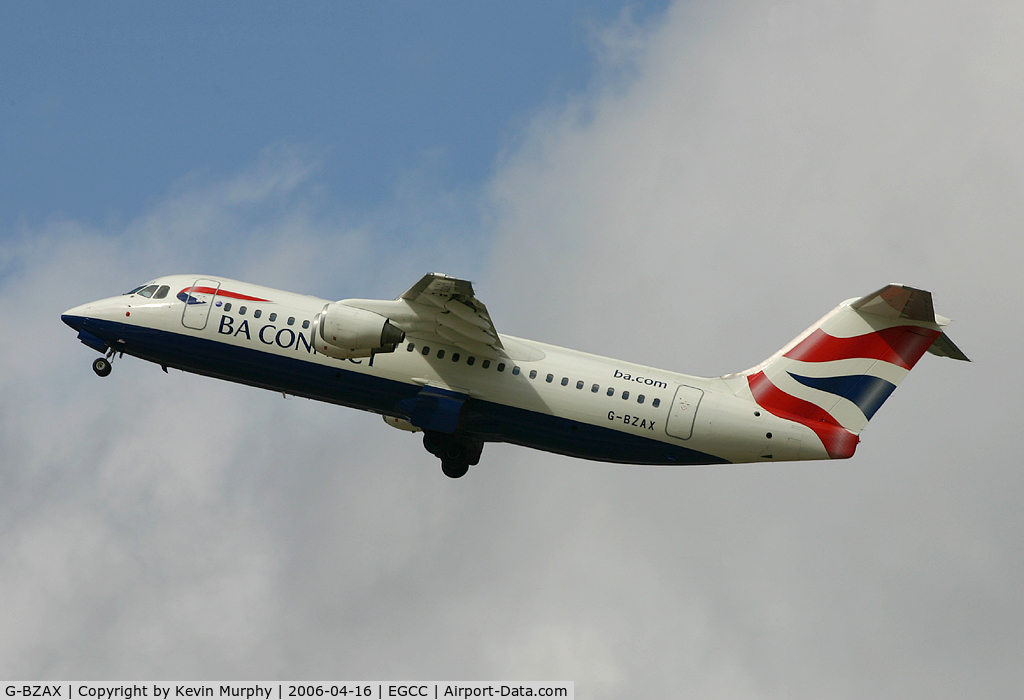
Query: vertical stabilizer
point(835, 376)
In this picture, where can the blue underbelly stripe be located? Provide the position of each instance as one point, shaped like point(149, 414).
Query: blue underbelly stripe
point(483, 420)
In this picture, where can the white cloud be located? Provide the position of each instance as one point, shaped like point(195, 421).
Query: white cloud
point(827, 156)
point(749, 168)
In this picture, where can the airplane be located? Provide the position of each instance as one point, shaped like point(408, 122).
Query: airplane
point(431, 361)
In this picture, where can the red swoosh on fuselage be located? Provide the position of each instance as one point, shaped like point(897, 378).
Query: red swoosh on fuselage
point(839, 442)
point(221, 293)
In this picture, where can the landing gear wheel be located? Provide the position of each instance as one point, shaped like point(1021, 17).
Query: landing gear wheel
point(457, 453)
point(101, 366)
point(454, 470)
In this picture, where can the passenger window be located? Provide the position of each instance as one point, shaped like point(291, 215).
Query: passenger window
point(533, 374)
point(550, 378)
point(579, 384)
point(611, 391)
point(515, 370)
point(410, 347)
point(470, 360)
point(625, 395)
point(227, 306)
point(257, 313)
point(640, 398)
point(273, 317)
point(455, 357)
point(241, 311)
point(426, 350)
point(656, 403)
point(305, 324)
point(162, 292)
point(291, 320)
point(440, 354)
point(501, 366)
point(485, 364)
point(596, 388)
point(565, 381)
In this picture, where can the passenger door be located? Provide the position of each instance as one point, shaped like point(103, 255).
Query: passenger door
point(198, 299)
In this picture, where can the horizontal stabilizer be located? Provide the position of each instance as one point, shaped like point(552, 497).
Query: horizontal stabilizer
point(898, 301)
point(944, 347)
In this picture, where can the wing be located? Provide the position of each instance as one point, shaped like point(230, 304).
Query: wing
point(441, 309)
point(447, 309)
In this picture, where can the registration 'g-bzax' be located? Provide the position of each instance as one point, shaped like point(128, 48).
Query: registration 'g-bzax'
point(432, 361)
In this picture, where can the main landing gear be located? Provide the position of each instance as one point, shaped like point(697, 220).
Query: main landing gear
point(456, 453)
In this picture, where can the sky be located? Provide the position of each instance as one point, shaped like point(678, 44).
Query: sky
point(685, 185)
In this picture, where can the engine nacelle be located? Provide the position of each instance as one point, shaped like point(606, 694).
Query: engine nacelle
point(346, 332)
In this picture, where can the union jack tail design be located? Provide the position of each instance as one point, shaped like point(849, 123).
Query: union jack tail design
point(836, 374)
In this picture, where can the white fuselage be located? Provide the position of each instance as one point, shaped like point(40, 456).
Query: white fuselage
point(537, 395)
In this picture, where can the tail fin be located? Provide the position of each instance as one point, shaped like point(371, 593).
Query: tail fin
point(836, 374)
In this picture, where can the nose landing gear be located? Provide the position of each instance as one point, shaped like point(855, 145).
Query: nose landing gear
point(456, 453)
point(102, 365)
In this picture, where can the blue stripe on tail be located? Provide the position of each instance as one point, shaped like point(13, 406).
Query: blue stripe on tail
point(867, 392)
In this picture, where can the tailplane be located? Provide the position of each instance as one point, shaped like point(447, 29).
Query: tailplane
point(837, 374)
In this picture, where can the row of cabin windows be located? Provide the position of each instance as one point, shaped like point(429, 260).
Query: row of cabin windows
point(455, 357)
point(595, 388)
point(485, 364)
point(259, 312)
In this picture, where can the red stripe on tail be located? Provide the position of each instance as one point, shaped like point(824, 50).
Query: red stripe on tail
point(901, 345)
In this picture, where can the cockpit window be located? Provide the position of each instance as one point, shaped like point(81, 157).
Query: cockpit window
point(150, 291)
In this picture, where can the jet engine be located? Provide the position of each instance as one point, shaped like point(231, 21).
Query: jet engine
point(345, 332)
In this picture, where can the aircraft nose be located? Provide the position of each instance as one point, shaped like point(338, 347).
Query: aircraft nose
point(75, 317)
point(74, 321)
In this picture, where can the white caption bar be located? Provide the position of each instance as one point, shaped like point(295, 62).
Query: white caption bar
point(162, 690)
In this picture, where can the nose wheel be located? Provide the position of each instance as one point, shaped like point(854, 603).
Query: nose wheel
point(101, 366)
